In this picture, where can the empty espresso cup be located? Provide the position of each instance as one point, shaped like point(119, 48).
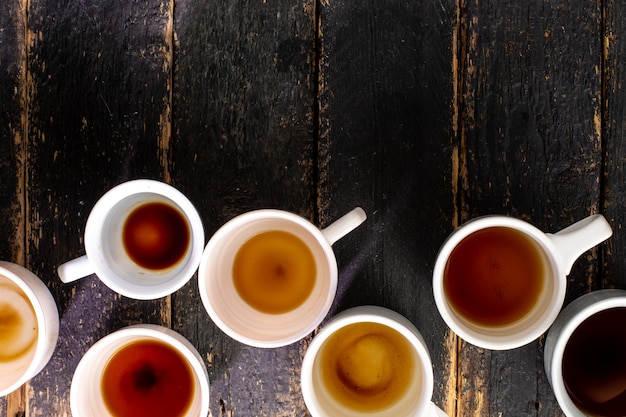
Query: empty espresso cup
point(368, 361)
point(29, 326)
point(584, 355)
point(143, 239)
point(268, 277)
point(141, 370)
point(499, 282)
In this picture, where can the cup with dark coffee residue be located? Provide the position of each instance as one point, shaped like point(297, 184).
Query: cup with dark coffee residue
point(499, 282)
point(143, 239)
point(585, 355)
point(141, 370)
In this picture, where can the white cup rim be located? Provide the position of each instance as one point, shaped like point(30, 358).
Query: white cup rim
point(366, 314)
point(152, 331)
point(42, 350)
point(474, 335)
point(573, 316)
point(216, 241)
point(94, 231)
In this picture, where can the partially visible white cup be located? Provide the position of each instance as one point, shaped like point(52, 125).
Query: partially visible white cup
point(86, 393)
point(30, 327)
point(560, 334)
point(557, 252)
point(233, 314)
point(104, 244)
point(415, 398)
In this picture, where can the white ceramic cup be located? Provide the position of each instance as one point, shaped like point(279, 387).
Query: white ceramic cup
point(416, 402)
point(560, 250)
point(236, 317)
point(86, 399)
point(105, 254)
point(29, 350)
point(559, 335)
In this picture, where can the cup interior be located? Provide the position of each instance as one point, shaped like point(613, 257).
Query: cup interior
point(559, 335)
point(105, 248)
point(533, 323)
point(86, 397)
point(31, 300)
point(231, 312)
point(319, 399)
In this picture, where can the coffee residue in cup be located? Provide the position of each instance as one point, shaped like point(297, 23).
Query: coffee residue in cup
point(18, 322)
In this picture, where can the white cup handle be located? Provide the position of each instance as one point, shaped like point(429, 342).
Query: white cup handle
point(75, 269)
point(435, 411)
point(583, 235)
point(344, 225)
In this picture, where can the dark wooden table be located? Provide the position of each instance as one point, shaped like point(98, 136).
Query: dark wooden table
point(425, 113)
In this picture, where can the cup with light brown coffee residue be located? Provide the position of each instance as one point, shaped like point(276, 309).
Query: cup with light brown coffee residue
point(29, 326)
point(268, 277)
point(368, 361)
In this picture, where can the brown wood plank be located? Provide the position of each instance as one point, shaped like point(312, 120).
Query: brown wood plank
point(387, 143)
point(98, 104)
point(530, 146)
point(613, 129)
point(243, 139)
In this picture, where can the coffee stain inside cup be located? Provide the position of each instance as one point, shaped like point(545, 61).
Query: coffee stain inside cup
point(274, 272)
point(18, 322)
point(594, 364)
point(367, 367)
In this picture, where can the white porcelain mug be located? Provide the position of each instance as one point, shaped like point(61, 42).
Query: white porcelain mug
point(386, 353)
point(102, 381)
point(555, 255)
point(587, 350)
point(245, 322)
point(30, 326)
point(106, 243)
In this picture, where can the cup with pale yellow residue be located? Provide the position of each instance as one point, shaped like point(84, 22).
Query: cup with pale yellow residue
point(29, 326)
point(370, 361)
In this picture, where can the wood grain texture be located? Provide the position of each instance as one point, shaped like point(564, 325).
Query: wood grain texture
point(12, 133)
point(613, 130)
point(12, 153)
point(243, 139)
point(386, 144)
point(99, 88)
point(530, 148)
point(426, 114)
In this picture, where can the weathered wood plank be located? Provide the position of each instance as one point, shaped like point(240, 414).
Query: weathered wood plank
point(12, 132)
point(386, 143)
point(12, 87)
point(614, 129)
point(243, 139)
point(530, 146)
point(98, 103)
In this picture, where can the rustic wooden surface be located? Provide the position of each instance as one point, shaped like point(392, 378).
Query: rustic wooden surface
point(424, 113)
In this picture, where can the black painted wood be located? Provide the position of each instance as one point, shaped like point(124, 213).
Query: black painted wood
point(613, 130)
